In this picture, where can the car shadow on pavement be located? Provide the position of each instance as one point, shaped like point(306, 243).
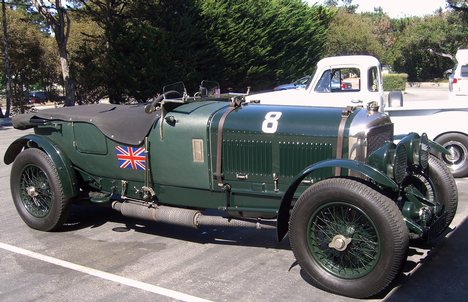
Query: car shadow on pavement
point(84, 216)
point(441, 275)
point(438, 272)
point(433, 272)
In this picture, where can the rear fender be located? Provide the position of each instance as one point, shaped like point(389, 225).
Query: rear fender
point(355, 166)
point(62, 163)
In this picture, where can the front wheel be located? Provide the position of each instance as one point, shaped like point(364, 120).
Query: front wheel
point(438, 186)
point(37, 191)
point(350, 239)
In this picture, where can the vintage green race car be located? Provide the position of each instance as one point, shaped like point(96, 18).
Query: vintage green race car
point(349, 197)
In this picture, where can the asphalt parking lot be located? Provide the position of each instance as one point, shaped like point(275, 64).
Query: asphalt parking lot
point(103, 256)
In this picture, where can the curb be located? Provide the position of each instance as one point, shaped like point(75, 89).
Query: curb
point(427, 85)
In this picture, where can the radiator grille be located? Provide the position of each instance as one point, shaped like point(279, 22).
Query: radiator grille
point(377, 136)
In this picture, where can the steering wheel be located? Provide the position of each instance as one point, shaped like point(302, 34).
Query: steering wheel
point(171, 94)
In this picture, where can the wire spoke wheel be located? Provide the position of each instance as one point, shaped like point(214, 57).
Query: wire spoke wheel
point(343, 240)
point(349, 238)
point(424, 185)
point(35, 192)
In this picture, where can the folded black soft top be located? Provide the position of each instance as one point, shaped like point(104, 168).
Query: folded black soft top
point(127, 124)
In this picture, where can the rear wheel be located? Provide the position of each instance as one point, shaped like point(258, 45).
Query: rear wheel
point(37, 191)
point(350, 239)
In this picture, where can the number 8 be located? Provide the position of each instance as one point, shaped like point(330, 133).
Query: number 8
point(270, 124)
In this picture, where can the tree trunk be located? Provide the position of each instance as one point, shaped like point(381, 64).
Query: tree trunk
point(6, 62)
point(67, 80)
point(60, 24)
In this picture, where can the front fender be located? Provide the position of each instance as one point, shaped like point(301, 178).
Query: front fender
point(434, 146)
point(366, 170)
point(62, 163)
point(437, 148)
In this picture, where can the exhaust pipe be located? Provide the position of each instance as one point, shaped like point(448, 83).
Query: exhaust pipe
point(182, 217)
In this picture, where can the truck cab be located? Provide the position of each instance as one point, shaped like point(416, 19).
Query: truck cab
point(338, 82)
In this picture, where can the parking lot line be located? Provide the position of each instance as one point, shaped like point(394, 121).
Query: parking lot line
point(103, 275)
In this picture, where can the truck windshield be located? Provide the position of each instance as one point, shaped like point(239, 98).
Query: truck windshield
point(339, 80)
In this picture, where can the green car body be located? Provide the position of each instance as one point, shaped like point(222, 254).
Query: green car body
point(252, 162)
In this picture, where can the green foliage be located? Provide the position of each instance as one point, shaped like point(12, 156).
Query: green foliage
point(128, 49)
point(260, 42)
point(153, 43)
point(346, 5)
point(401, 43)
point(411, 55)
point(395, 81)
point(351, 34)
point(142, 46)
point(86, 46)
point(30, 57)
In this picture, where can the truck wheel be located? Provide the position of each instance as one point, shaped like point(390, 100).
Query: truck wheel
point(350, 239)
point(439, 185)
point(457, 161)
point(37, 191)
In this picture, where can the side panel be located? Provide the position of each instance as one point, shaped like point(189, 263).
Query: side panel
point(265, 147)
point(180, 151)
point(89, 150)
point(434, 122)
point(88, 139)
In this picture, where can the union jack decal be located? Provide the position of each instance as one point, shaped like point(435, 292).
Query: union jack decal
point(131, 158)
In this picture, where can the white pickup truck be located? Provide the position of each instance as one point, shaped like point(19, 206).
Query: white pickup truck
point(458, 81)
point(357, 81)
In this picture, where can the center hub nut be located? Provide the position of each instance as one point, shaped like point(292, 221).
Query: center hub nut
point(339, 243)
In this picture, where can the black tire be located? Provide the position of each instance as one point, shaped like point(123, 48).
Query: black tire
point(446, 187)
point(37, 191)
point(360, 250)
point(438, 184)
point(457, 144)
